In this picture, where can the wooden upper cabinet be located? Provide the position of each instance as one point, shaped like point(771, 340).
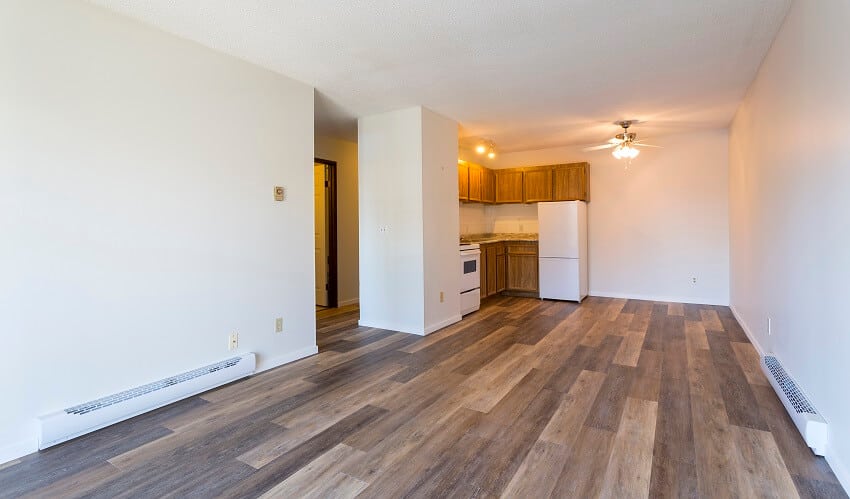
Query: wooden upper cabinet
point(475, 182)
point(571, 182)
point(488, 186)
point(509, 186)
point(463, 181)
point(537, 184)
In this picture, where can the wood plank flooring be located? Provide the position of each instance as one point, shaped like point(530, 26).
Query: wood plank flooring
point(524, 398)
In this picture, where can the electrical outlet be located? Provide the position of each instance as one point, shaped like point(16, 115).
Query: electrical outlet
point(693, 280)
point(441, 297)
point(233, 341)
point(769, 327)
point(278, 325)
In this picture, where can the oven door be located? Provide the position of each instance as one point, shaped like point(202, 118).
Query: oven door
point(469, 263)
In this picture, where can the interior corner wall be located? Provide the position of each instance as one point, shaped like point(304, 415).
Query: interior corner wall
point(652, 225)
point(391, 225)
point(789, 206)
point(440, 220)
point(344, 153)
point(136, 210)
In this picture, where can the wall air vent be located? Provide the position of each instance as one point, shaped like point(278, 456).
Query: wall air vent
point(80, 419)
point(809, 422)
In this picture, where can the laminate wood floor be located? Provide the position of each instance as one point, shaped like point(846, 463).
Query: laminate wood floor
point(525, 398)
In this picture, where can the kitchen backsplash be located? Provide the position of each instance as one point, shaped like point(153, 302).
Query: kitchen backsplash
point(478, 218)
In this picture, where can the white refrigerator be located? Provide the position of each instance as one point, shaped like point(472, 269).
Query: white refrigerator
point(563, 250)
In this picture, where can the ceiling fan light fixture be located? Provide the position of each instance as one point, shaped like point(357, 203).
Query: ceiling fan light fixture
point(625, 151)
point(491, 153)
point(480, 148)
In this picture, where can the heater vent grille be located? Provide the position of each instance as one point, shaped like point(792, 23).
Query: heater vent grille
point(151, 387)
point(789, 387)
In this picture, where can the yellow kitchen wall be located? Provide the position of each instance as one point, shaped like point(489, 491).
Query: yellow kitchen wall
point(344, 152)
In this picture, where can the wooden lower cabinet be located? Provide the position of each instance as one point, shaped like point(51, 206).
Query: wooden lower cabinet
point(489, 268)
point(501, 267)
point(509, 267)
point(522, 267)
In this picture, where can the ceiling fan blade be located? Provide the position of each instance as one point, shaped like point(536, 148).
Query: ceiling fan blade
point(640, 144)
point(615, 141)
point(597, 148)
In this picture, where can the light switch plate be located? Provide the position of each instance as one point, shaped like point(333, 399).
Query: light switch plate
point(278, 193)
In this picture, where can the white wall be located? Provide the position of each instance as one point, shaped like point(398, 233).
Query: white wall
point(344, 152)
point(654, 225)
point(789, 206)
point(136, 210)
point(391, 237)
point(477, 218)
point(408, 215)
point(440, 220)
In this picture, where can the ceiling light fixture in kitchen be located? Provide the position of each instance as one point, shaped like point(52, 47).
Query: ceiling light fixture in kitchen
point(486, 146)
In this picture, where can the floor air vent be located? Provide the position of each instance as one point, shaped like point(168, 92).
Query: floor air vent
point(811, 425)
point(80, 419)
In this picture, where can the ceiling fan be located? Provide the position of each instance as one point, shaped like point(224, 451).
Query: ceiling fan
point(625, 144)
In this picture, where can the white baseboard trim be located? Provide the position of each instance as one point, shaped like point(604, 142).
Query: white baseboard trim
point(440, 325)
point(391, 327)
point(746, 327)
point(672, 299)
point(266, 364)
point(17, 450)
point(837, 464)
point(345, 303)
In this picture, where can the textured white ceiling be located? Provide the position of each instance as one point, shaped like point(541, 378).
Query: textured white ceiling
point(527, 74)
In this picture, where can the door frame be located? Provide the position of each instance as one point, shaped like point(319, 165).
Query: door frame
point(333, 285)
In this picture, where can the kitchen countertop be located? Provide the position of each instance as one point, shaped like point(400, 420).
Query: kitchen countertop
point(497, 238)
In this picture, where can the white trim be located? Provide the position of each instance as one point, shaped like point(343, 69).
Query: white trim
point(418, 330)
point(837, 464)
point(761, 351)
point(672, 299)
point(345, 303)
point(18, 449)
point(834, 460)
point(21, 448)
point(265, 365)
point(440, 325)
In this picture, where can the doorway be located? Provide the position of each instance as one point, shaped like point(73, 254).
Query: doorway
point(325, 233)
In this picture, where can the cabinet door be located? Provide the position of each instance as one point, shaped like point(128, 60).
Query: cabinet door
point(482, 272)
point(571, 182)
point(463, 181)
point(488, 186)
point(475, 182)
point(509, 186)
point(522, 267)
point(490, 269)
point(501, 268)
point(537, 185)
